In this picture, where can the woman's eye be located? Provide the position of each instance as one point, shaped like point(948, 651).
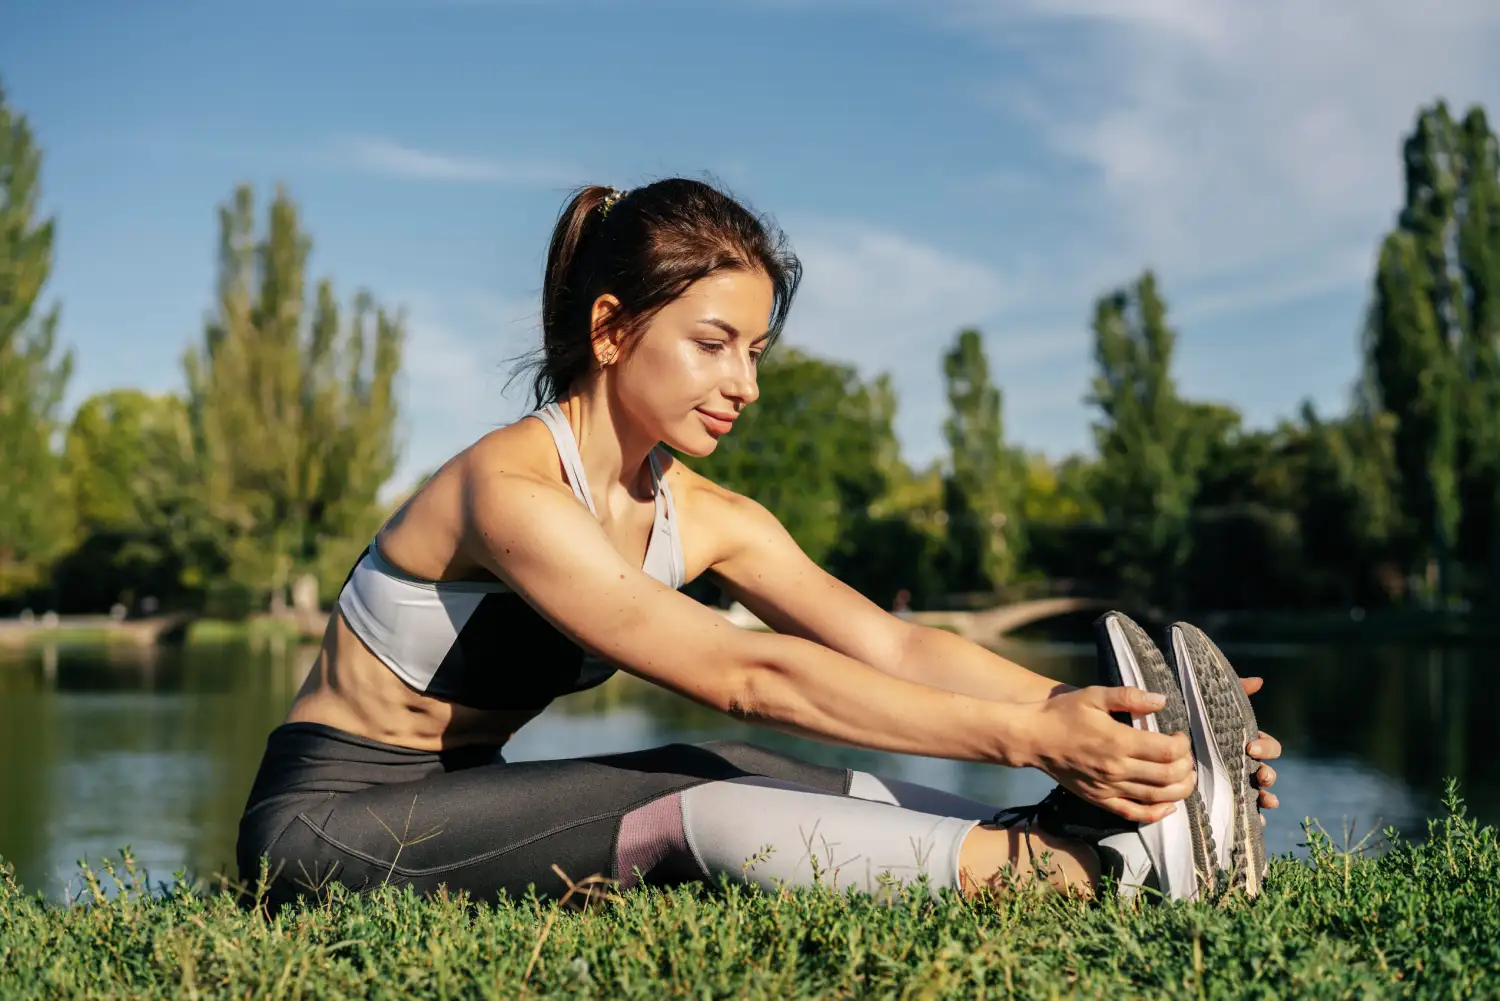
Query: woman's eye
point(755, 357)
point(712, 347)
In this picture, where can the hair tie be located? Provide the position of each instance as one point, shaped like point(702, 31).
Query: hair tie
point(610, 199)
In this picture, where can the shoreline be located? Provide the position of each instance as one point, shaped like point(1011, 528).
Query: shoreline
point(1312, 627)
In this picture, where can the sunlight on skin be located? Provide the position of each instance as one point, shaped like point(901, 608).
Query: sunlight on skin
point(996, 858)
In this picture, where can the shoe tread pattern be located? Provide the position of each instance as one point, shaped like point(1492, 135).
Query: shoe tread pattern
point(1157, 677)
point(1234, 724)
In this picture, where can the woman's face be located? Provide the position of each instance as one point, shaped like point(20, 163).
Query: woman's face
point(690, 372)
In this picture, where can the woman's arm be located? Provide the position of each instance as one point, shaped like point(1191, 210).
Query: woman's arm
point(762, 567)
point(765, 569)
point(542, 543)
point(547, 547)
point(959, 665)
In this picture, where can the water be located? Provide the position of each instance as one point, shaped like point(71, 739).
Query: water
point(156, 748)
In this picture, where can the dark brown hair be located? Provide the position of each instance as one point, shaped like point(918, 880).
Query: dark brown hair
point(646, 247)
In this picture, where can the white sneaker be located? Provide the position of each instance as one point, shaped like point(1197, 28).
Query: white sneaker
point(1222, 725)
point(1175, 855)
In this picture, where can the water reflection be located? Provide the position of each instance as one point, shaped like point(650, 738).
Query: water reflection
point(156, 749)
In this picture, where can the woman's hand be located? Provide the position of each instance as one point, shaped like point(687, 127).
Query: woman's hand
point(1263, 748)
point(1134, 773)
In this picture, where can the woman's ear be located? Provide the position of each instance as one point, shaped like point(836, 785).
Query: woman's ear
point(605, 339)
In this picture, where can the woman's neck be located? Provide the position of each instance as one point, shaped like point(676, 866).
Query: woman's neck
point(611, 449)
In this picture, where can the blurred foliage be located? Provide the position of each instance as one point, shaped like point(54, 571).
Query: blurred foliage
point(35, 518)
point(269, 463)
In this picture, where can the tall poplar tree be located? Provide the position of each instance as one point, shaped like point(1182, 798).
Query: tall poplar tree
point(1150, 448)
point(35, 518)
point(293, 409)
point(985, 481)
point(1433, 349)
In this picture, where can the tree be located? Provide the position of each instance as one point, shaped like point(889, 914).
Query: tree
point(1150, 449)
point(1433, 348)
point(1349, 504)
point(35, 520)
point(985, 481)
point(810, 448)
point(890, 540)
point(293, 415)
point(141, 525)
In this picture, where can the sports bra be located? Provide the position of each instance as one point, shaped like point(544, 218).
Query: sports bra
point(478, 643)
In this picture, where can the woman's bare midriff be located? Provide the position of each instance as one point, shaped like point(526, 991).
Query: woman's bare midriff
point(350, 689)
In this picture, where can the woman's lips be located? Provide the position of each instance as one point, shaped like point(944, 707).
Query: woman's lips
point(717, 424)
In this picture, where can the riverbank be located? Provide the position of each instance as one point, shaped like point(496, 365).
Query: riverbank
point(1315, 627)
point(101, 630)
point(1418, 920)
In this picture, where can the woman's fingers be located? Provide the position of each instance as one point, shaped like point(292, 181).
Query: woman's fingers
point(1265, 776)
point(1252, 685)
point(1140, 812)
point(1152, 774)
point(1264, 747)
point(1136, 746)
point(1152, 794)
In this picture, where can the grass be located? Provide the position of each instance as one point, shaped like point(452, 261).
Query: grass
point(1420, 919)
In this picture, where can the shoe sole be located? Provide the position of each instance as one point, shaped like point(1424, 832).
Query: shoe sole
point(1181, 845)
point(1231, 726)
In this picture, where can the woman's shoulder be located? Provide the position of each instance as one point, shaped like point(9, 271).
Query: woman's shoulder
point(706, 506)
point(505, 455)
point(520, 451)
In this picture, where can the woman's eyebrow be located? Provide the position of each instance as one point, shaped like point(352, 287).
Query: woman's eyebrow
point(730, 328)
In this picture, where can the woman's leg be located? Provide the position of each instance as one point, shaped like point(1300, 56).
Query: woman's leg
point(774, 833)
point(669, 814)
point(988, 850)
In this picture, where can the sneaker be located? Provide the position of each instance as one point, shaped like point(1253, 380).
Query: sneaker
point(1175, 855)
point(1222, 725)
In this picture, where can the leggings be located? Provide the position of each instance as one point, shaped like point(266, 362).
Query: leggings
point(328, 805)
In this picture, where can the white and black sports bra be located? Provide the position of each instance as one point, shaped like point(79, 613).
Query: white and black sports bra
point(477, 643)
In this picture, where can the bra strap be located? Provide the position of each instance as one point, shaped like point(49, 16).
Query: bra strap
point(567, 450)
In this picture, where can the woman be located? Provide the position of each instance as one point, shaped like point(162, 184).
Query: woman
point(550, 553)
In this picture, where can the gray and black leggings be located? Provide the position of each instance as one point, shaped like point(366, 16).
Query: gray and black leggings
point(331, 806)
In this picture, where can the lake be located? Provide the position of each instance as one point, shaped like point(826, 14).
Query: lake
point(156, 748)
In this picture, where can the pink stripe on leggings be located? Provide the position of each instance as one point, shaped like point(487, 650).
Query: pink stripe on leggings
point(648, 835)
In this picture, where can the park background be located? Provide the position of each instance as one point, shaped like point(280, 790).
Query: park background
point(1188, 307)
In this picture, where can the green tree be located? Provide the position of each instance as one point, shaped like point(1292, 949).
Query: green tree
point(890, 540)
point(985, 481)
point(35, 519)
point(810, 449)
point(1433, 347)
point(1349, 511)
point(141, 525)
point(1150, 448)
point(292, 410)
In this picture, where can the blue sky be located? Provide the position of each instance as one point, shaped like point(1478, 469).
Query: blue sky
point(938, 164)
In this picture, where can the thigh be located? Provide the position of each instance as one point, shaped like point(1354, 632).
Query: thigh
point(500, 828)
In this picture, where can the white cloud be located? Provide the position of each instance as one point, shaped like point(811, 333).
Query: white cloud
point(388, 158)
point(889, 303)
point(1234, 141)
point(1249, 152)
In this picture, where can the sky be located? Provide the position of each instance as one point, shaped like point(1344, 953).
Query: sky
point(935, 165)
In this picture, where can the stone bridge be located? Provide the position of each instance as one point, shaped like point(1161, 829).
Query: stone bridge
point(981, 626)
point(989, 624)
